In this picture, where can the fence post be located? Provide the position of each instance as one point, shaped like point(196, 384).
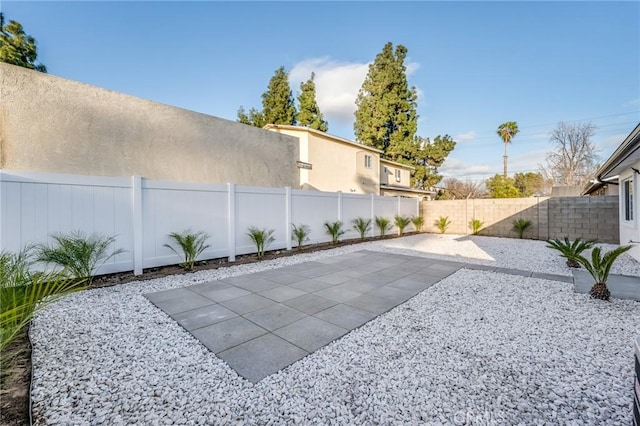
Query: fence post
point(231, 215)
point(418, 206)
point(287, 210)
point(340, 206)
point(373, 216)
point(399, 206)
point(136, 204)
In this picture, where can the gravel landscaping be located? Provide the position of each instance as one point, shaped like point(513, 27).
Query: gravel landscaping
point(478, 347)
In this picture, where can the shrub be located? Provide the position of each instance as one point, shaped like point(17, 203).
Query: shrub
point(383, 224)
point(363, 226)
point(23, 293)
point(418, 222)
point(335, 230)
point(80, 255)
point(191, 245)
point(570, 250)
point(442, 223)
point(261, 238)
point(599, 268)
point(475, 225)
point(300, 233)
point(521, 226)
point(401, 223)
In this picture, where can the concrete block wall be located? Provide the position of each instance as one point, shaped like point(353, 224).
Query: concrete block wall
point(575, 217)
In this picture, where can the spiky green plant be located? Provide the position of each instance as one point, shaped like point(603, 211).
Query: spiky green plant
point(191, 245)
point(383, 224)
point(335, 230)
point(78, 253)
point(23, 293)
point(261, 238)
point(521, 225)
point(401, 223)
point(418, 222)
point(570, 249)
point(363, 226)
point(475, 225)
point(599, 268)
point(442, 223)
point(300, 233)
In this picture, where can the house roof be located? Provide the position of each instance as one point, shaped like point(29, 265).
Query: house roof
point(622, 159)
point(404, 166)
point(407, 189)
point(321, 134)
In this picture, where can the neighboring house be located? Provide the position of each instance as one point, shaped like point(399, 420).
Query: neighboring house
point(332, 163)
point(622, 171)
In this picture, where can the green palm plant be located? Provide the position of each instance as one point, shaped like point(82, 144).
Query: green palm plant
point(363, 226)
point(335, 230)
point(599, 268)
point(261, 238)
point(442, 223)
point(521, 226)
point(401, 223)
point(475, 225)
point(191, 245)
point(570, 249)
point(78, 253)
point(23, 293)
point(507, 131)
point(418, 222)
point(383, 224)
point(300, 233)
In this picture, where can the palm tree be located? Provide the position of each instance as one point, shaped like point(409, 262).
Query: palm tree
point(507, 131)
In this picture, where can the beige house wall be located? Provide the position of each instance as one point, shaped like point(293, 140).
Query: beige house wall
point(388, 174)
point(50, 124)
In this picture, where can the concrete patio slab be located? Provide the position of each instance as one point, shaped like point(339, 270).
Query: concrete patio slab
point(245, 304)
point(227, 334)
point(180, 300)
point(202, 317)
point(310, 333)
point(310, 303)
point(345, 316)
point(280, 294)
point(275, 316)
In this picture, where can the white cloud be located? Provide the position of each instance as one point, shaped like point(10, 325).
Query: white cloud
point(337, 85)
point(453, 167)
point(464, 137)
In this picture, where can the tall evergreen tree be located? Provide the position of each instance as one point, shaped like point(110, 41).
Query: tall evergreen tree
point(309, 114)
point(278, 106)
point(386, 115)
point(426, 156)
point(17, 47)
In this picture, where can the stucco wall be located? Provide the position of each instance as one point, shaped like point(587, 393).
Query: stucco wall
point(630, 229)
point(389, 177)
point(556, 217)
point(50, 124)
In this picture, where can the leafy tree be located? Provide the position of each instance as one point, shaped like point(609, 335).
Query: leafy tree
point(278, 105)
point(507, 131)
point(529, 183)
point(574, 157)
point(17, 47)
point(386, 106)
point(309, 114)
point(458, 189)
point(502, 187)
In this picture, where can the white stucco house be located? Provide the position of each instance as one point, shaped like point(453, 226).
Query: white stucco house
point(622, 171)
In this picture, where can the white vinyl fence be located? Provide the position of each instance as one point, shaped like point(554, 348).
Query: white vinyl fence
point(142, 212)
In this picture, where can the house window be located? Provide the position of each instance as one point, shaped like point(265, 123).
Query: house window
point(628, 199)
point(398, 177)
point(367, 161)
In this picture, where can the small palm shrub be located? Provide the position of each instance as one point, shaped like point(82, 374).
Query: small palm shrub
point(300, 233)
point(335, 230)
point(599, 268)
point(191, 245)
point(442, 223)
point(23, 294)
point(77, 253)
point(383, 224)
point(401, 223)
point(261, 238)
point(475, 225)
point(570, 250)
point(521, 226)
point(418, 222)
point(363, 226)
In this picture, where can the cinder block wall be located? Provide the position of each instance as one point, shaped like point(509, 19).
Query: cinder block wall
point(575, 217)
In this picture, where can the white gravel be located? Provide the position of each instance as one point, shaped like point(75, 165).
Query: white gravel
point(476, 348)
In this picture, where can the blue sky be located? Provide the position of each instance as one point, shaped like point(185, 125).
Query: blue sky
point(475, 64)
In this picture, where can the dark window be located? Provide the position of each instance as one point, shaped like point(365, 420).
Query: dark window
point(628, 199)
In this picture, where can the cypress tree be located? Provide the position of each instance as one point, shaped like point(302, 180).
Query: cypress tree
point(309, 114)
point(278, 106)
